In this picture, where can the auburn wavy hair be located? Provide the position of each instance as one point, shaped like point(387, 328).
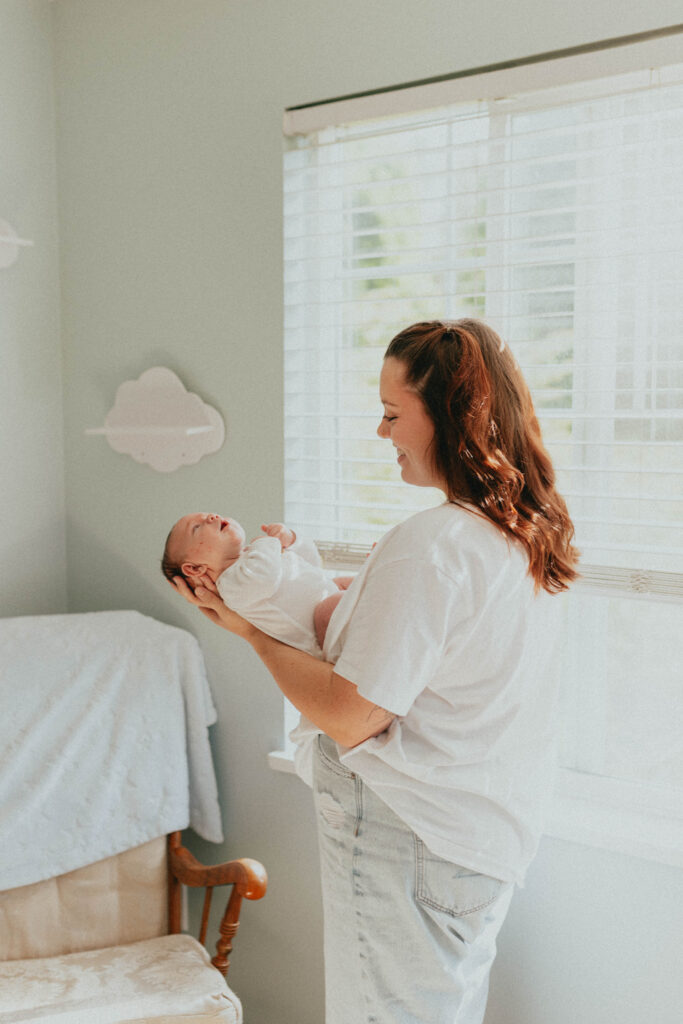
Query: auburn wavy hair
point(487, 441)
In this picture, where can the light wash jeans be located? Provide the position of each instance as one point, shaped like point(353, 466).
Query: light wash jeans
point(409, 937)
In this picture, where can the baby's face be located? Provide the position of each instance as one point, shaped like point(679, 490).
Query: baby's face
point(207, 541)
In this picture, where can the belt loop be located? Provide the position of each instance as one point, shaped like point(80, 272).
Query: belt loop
point(359, 803)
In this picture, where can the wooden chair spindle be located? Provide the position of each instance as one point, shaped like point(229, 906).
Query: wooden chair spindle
point(205, 914)
point(228, 928)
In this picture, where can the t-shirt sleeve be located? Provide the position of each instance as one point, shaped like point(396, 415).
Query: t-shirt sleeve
point(254, 577)
point(398, 632)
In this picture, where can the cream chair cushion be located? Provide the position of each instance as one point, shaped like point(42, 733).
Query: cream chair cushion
point(117, 900)
point(164, 979)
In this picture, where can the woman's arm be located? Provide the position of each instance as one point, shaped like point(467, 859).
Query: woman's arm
point(329, 701)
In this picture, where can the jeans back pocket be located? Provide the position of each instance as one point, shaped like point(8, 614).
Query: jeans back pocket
point(448, 887)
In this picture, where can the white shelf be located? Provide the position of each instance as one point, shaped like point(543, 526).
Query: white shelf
point(157, 421)
point(10, 244)
point(149, 431)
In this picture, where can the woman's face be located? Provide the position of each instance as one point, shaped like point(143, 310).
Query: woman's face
point(408, 426)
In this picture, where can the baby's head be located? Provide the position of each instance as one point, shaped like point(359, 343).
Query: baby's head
point(201, 544)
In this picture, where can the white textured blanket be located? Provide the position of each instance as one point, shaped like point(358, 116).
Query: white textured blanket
point(103, 740)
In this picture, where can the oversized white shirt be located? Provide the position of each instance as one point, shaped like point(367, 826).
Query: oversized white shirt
point(443, 628)
point(277, 589)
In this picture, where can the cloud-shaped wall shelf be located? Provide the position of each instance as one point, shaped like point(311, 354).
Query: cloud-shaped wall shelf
point(9, 244)
point(157, 421)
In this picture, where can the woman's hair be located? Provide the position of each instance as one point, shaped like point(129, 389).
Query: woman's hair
point(488, 448)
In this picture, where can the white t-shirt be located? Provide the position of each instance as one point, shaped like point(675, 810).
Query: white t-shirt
point(443, 628)
point(277, 589)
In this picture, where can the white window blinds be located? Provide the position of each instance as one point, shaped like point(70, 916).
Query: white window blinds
point(554, 215)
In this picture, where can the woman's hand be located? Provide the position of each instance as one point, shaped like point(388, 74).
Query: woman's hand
point(208, 600)
point(327, 699)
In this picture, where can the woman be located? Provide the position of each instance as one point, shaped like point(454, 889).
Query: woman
point(433, 711)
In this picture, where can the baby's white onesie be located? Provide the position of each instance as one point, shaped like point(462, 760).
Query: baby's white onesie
point(277, 589)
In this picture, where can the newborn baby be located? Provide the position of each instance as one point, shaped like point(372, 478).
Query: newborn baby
point(276, 582)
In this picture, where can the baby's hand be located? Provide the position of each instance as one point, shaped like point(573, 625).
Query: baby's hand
point(281, 533)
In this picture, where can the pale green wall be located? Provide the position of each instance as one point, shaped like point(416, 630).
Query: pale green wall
point(169, 175)
point(32, 549)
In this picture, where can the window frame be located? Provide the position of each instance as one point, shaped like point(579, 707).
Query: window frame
point(601, 812)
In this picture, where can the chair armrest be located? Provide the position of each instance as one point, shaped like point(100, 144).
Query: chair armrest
point(247, 877)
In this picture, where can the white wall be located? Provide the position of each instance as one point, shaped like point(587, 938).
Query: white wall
point(169, 157)
point(32, 546)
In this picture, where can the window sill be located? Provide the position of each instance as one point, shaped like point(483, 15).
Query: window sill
point(282, 761)
point(638, 820)
point(593, 812)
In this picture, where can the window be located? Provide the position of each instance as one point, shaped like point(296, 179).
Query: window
point(556, 215)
